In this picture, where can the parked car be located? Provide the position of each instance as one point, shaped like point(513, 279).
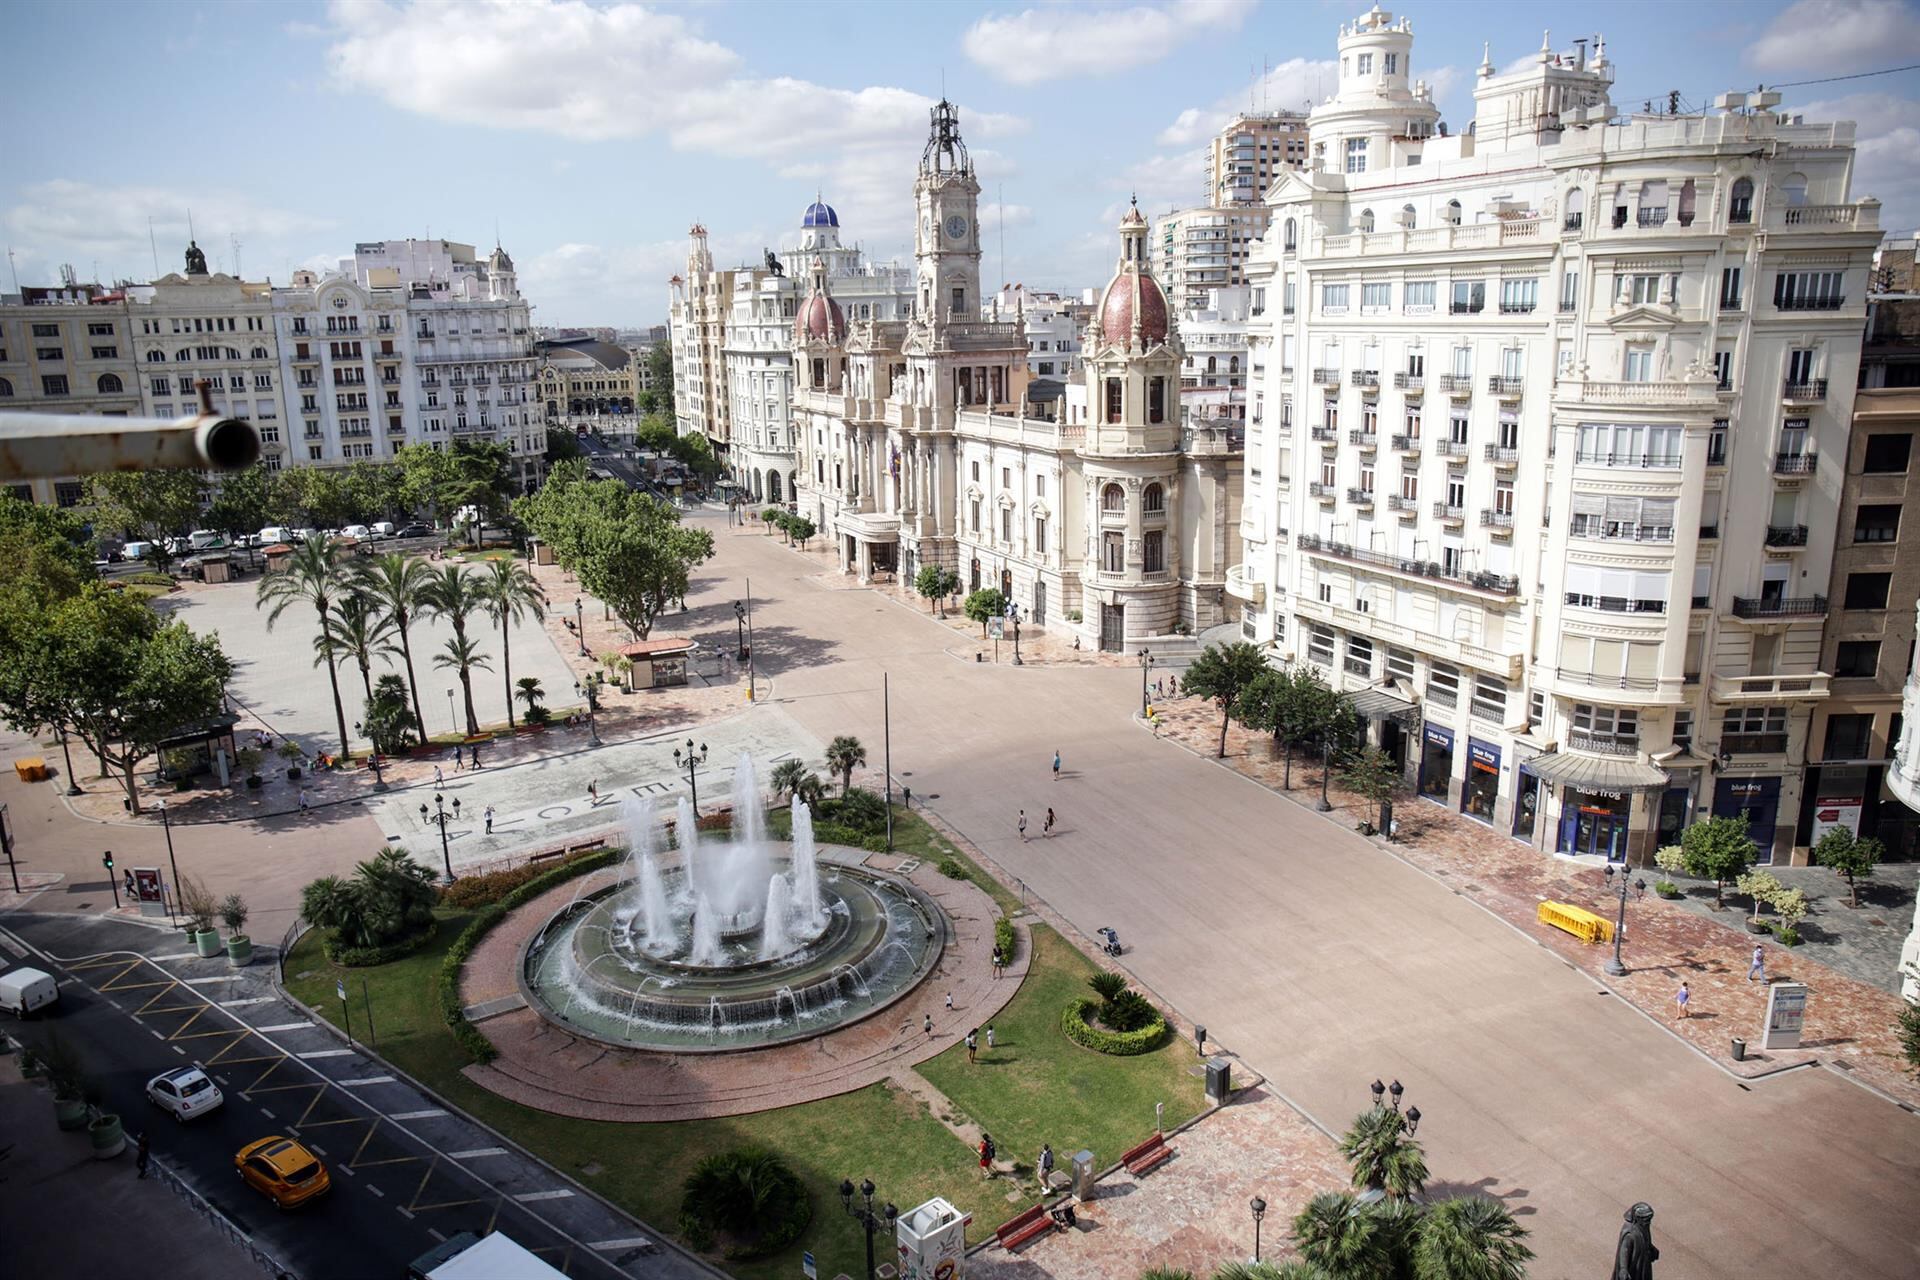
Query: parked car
point(414, 531)
point(382, 528)
point(184, 1093)
point(283, 1171)
point(26, 991)
point(358, 532)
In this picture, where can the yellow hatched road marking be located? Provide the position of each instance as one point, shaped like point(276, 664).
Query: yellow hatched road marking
point(564, 1250)
point(417, 1207)
point(239, 1038)
point(177, 1031)
point(357, 1163)
point(99, 963)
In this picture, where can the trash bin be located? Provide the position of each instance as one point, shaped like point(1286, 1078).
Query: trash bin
point(1083, 1175)
point(1739, 1049)
point(1219, 1079)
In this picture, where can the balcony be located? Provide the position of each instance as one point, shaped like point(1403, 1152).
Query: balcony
point(1497, 584)
point(1649, 461)
point(1816, 302)
point(1457, 384)
point(1364, 378)
point(386, 355)
point(1786, 535)
point(1821, 215)
point(1496, 520)
point(1325, 435)
point(1405, 443)
point(1450, 513)
point(1447, 448)
point(1795, 464)
point(309, 358)
point(1605, 744)
point(1769, 689)
point(1780, 607)
point(1573, 222)
point(1813, 392)
point(1502, 457)
point(1640, 393)
point(1403, 504)
point(1242, 585)
point(1360, 497)
point(1505, 386)
point(1365, 439)
point(1326, 377)
point(1709, 532)
point(1324, 492)
point(1656, 217)
point(1411, 383)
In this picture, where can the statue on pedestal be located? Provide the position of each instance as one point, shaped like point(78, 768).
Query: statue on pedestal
point(196, 260)
point(1633, 1259)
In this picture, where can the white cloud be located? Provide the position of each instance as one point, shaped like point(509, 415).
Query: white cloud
point(1887, 140)
point(1294, 85)
point(1036, 45)
point(1838, 35)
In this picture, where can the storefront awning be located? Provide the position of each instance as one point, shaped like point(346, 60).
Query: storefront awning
point(1379, 704)
point(1616, 774)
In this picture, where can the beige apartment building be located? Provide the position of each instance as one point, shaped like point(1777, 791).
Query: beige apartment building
point(65, 349)
point(1252, 150)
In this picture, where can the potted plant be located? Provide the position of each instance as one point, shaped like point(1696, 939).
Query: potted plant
point(1760, 887)
point(200, 908)
point(233, 913)
point(1792, 906)
point(105, 1133)
point(294, 756)
point(31, 1068)
point(1672, 860)
point(69, 1085)
point(247, 759)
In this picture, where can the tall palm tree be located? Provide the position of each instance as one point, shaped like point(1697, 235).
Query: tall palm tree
point(311, 577)
point(1470, 1238)
point(358, 629)
point(508, 592)
point(395, 581)
point(787, 777)
point(844, 755)
point(453, 593)
point(463, 655)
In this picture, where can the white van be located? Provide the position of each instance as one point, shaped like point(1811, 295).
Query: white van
point(276, 533)
point(137, 551)
point(382, 528)
point(26, 990)
point(358, 532)
point(205, 540)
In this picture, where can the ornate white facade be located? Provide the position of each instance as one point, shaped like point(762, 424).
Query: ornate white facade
point(1545, 418)
point(758, 359)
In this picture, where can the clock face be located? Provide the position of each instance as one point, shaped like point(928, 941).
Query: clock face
point(956, 227)
point(926, 228)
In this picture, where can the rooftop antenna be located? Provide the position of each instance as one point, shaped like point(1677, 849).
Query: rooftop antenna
point(1000, 201)
point(153, 244)
point(14, 268)
point(234, 240)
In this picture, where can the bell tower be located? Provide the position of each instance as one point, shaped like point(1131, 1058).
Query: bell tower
point(946, 250)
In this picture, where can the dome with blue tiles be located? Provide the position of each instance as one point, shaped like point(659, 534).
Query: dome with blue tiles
point(820, 214)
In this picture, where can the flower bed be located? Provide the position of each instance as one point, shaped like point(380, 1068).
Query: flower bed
point(1076, 1022)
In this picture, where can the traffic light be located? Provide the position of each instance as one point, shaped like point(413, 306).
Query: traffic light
point(106, 859)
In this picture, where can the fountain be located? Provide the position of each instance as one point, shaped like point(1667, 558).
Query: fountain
point(739, 943)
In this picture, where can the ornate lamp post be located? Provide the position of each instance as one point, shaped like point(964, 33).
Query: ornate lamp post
point(1259, 1208)
point(1325, 805)
point(438, 816)
point(167, 825)
point(1411, 1121)
point(73, 788)
point(740, 630)
point(1013, 615)
point(865, 1214)
point(1146, 665)
point(580, 625)
point(1616, 966)
point(590, 690)
point(373, 758)
point(690, 760)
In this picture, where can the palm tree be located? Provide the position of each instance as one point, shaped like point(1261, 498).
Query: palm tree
point(357, 629)
point(787, 777)
point(453, 593)
point(533, 695)
point(395, 582)
point(508, 591)
point(463, 655)
point(310, 577)
point(1384, 1156)
point(1470, 1238)
point(1336, 1233)
point(844, 755)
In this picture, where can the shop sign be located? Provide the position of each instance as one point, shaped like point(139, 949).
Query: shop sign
point(1833, 812)
point(1483, 756)
point(1440, 737)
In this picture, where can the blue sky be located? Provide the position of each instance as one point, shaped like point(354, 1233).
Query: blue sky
point(593, 135)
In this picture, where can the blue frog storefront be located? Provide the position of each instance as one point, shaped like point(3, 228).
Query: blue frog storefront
point(1598, 805)
point(1758, 799)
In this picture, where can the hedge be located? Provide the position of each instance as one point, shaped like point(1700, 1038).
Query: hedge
point(366, 957)
point(477, 891)
point(1006, 938)
point(1074, 1022)
point(478, 1047)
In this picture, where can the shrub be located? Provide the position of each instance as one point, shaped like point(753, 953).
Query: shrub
point(233, 913)
point(1129, 1011)
point(1006, 938)
point(1665, 888)
point(747, 1198)
point(1670, 858)
point(350, 957)
point(477, 891)
point(858, 810)
point(197, 903)
point(1907, 1027)
point(1074, 1022)
point(1786, 935)
point(874, 844)
point(952, 870)
point(1107, 985)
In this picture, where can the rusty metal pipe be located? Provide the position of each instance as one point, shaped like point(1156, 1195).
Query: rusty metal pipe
point(46, 445)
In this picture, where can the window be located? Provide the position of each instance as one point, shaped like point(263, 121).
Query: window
point(1518, 297)
point(959, 302)
point(1608, 724)
point(1360, 657)
point(1576, 208)
point(1877, 522)
point(1366, 220)
point(1887, 454)
point(53, 384)
point(1755, 729)
point(1489, 698)
point(1364, 64)
point(1156, 399)
point(1570, 290)
point(162, 386)
point(109, 384)
point(1740, 203)
point(1113, 499)
point(1536, 710)
point(1808, 291)
point(1849, 737)
point(1419, 294)
point(106, 353)
point(1623, 518)
point(1730, 289)
point(1155, 549)
point(1867, 590)
point(1320, 645)
point(973, 514)
point(1458, 427)
point(1451, 214)
point(1469, 297)
point(1039, 535)
point(1115, 399)
point(50, 353)
point(1356, 155)
point(1639, 366)
point(1393, 63)
point(1113, 552)
point(1443, 685)
point(46, 331)
point(1154, 498)
point(1858, 658)
point(1287, 235)
point(1006, 524)
point(1376, 295)
point(1333, 297)
point(1410, 484)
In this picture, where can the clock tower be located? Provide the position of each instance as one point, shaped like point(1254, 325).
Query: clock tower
point(947, 238)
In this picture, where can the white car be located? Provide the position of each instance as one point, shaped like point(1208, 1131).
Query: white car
point(184, 1092)
point(358, 532)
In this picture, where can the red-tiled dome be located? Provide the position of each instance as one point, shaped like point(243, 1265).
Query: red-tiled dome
point(820, 317)
point(1131, 294)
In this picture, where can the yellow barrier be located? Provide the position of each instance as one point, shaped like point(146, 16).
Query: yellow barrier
point(31, 770)
point(1578, 921)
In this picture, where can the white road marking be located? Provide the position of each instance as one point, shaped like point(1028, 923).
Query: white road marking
point(633, 1242)
point(326, 1053)
point(177, 1049)
point(417, 1115)
point(155, 1034)
point(178, 955)
point(527, 1197)
point(408, 1215)
point(15, 940)
point(439, 1237)
point(9, 952)
point(268, 1114)
point(476, 1153)
point(219, 977)
point(285, 1026)
point(377, 1191)
point(241, 1004)
point(355, 1084)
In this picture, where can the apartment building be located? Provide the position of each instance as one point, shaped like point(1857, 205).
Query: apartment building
point(1252, 150)
point(1199, 250)
point(1549, 420)
point(1213, 374)
point(758, 361)
point(1053, 323)
point(583, 383)
point(65, 349)
point(698, 305)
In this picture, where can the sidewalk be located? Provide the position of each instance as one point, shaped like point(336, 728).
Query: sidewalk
point(1849, 1023)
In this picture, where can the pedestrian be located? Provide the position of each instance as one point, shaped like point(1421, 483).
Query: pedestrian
point(438, 777)
point(972, 1041)
point(989, 1037)
point(1045, 1162)
point(459, 760)
point(1023, 826)
point(928, 1025)
point(1680, 999)
point(1046, 828)
point(997, 961)
point(1153, 721)
point(1758, 969)
point(1159, 686)
point(986, 1154)
point(303, 799)
point(476, 756)
point(141, 1154)
point(1056, 764)
point(1173, 685)
point(593, 790)
point(949, 1002)
point(489, 816)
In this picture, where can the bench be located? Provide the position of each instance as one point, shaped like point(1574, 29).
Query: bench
point(1030, 1225)
point(1147, 1155)
point(1578, 921)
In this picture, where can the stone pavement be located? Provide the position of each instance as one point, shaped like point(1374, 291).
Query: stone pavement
point(1862, 942)
point(1849, 1023)
point(1190, 1213)
point(541, 1065)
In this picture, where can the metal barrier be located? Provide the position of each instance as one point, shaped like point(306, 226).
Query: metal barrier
point(287, 940)
point(1578, 921)
point(220, 1221)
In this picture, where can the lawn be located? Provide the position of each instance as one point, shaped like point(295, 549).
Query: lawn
point(913, 837)
point(1037, 1086)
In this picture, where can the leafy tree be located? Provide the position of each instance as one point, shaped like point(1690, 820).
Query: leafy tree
point(313, 496)
point(530, 692)
point(787, 777)
point(1222, 673)
point(479, 474)
point(453, 593)
point(1336, 1232)
point(1718, 849)
point(388, 896)
point(1760, 886)
point(802, 530)
point(984, 604)
point(1383, 1155)
point(148, 505)
point(355, 629)
point(509, 592)
point(1851, 856)
point(48, 559)
point(388, 719)
point(628, 549)
point(1297, 706)
point(311, 577)
point(1907, 1028)
point(424, 475)
point(844, 755)
point(373, 491)
point(397, 583)
point(243, 501)
point(934, 583)
point(660, 373)
point(40, 541)
point(1372, 774)
point(655, 433)
point(1107, 985)
point(562, 445)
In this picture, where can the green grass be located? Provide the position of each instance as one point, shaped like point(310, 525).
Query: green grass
point(1037, 1086)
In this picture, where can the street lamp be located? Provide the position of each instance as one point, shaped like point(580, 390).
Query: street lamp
point(690, 761)
point(740, 630)
point(1616, 966)
point(373, 758)
point(439, 817)
point(591, 692)
point(1259, 1208)
point(1146, 665)
point(580, 625)
point(73, 788)
point(865, 1215)
point(1325, 805)
point(1411, 1120)
point(166, 825)
point(1013, 612)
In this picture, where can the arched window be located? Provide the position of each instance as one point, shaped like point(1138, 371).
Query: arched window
point(1154, 498)
point(1113, 498)
point(109, 384)
point(1576, 208)
point(6, 389)
point(1287, 236)
point(1407, 217)
point(259, 353)
point(1213, 364)
point(182, 356)
point(1740, 203)
point(1233, 364)
point(1794, 188)
point(1689, 198)
point(1452, 213)
point(156, 357)
point(1366, 219)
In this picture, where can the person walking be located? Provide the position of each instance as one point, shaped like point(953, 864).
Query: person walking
point(459, 759)
point(949, 1002)
point(1023, 826)
point(1056, 764)
point(1046, 828)
point(476, 755)
point(593, 790)
point(142, 1154)
point(1045, 1162)
point(489, 817)
point(303, 799)
point(1758, 968)
point(972, 1042)
point(986, 1154)
point(989, 1035)
point(439, 779)
point(928, 1025)
point(1680, 999)
point(998, 960)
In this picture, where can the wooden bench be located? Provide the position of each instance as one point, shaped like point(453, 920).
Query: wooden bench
point(1147, 1155)
point(1030, 1225)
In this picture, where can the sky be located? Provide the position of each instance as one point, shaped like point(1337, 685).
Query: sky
point(592, 135)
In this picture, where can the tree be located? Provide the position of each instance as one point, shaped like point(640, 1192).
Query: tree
point(48, 558)
point(453, 593)
point(1718, 849)
point(243, 500)
point(357, 629)
point(311, 577)
point(1372, 774)
point(802, 530)
point(787, 777)
point(424, 475)
point(373, 491)
point(530, 692)
point(479, 474)
point(388, 896)
point(660, 375)
point(397, 582)
point(1383, 1155)
point(464, 657)
point(388, 719)
point(983, 605)
point(1222, 673)
point(844, 755)
point(934, 583)
point(148, 505)
point(1851, 856)
point(313, 496)
point(1297, 706)
point(509, 592)
point(1336, 1233)
point(562, 445)
point(748, 1195)
point(1469, 1238)
point(628, 549)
